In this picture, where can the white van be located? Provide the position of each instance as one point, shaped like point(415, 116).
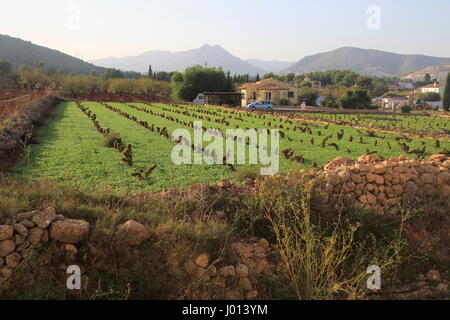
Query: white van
point(200, 99)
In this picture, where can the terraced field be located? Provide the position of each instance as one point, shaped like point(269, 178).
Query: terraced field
point(70, 148)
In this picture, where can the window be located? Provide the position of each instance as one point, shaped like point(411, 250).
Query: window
point(254, 95)
point(290, 94)
point(268, 95)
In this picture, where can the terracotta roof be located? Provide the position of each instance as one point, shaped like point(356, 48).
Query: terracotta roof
point(433, 85)
point(272, 87)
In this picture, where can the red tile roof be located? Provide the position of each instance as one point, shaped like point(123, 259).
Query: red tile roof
point(272, 87)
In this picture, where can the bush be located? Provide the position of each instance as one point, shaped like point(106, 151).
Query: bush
point(406, 109)
point(110, 140)
point(282, 102)
point(242, 174)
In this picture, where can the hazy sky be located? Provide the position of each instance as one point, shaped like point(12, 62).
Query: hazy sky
point(261, 29)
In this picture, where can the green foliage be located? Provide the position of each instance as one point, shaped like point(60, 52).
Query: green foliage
point(406, 109)
point(198, 79)
point(446, 100)
point(310, 95)
point(430, 96)
point(357, 99)
point(111, 139)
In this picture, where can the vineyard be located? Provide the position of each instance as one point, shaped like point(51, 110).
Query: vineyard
point(128, 146)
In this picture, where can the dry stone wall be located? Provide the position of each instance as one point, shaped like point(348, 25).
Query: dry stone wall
point(384, 184)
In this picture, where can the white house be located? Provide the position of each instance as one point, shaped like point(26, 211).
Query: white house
point(434, 87)
point(390, 103)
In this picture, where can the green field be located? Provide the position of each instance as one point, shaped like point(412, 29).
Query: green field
point(69, 149)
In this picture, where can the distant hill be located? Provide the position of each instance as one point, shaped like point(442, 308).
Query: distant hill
point(19, 52)
point(365, 61)
point(274, 66)
point(214, 56)
point(436, 72)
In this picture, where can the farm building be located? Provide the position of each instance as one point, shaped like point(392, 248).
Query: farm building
point(271, 90)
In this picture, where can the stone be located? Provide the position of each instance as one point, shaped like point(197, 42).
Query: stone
point(333, 179)
point(202, 260)
point(227, 272)
point(245, 284)
point(2, 262)
point(44, 218)
point(442, 288)
point(337, 163)
point(7, 247)
point(190, 267)
point(356, 178)
point(438, 157)
point(6, 272)
point(13, 260)
point(28, 223)
point(19, 239)
point(212, 271)
point(264, 243)
point(21, 229)
point(26, 215)
point(23, 246)
point(242, 271)
point(70, 248)
point(379, 179)
point(6, 232)
point(75, 231)
point(233, 294)
point(36, 236)
point(252, 295)
point(433, 275)
point(371, 199)
point(427, 178)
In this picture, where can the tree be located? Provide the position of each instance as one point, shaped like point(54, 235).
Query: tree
point(150, 71)
point(269, 75)
point(257, 78)
point(427, 78)
point(430, 96)
point(198, 79)
point(5, 68)
point(446, 100)
point(357, 99)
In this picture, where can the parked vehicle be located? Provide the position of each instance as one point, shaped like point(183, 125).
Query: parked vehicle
point(261, 105)
point(200, 99)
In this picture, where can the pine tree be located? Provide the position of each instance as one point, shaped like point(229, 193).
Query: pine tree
point(446, 100)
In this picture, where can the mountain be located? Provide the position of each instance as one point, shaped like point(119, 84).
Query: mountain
point(365, 61)
point(437, 72)
point(274, 66)
point(19, 52)
point(214, 56)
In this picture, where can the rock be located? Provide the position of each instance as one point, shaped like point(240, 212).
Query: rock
point(44, 218)
point(36, 236)
point(26, 215)
point(202, 260)
point(19, 239)
point(227, 272)
point(28, 223)
point(233, 294)
point(252, 295)
point(23, 246)
point(242, 271)
point(21, 229)
point(60, 217)
point(13, 260)
point(6, 273)
point(433, 275)
point(7, 247)
point(403, 158)
point(70, 248)
point(75, 231)
point(356, 178)
point(336, 163)
point(245, 284)
point(442, 288)
point(190, 267)
point(438, 157)
point(264, 243)
point(212, 271)
point(333, 179)
point(6, 232)
point(2, 262)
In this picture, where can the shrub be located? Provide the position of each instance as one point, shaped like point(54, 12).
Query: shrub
point(406, 109)
point(246, 173)
point(111, 139)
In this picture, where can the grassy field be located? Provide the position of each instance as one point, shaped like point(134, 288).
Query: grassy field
point(69, 149)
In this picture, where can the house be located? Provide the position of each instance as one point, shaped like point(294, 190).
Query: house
point(434, 87)
point(272, 90)
point(391, 102)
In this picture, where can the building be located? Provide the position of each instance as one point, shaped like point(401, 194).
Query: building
point(434, 87)
point(390, 103)
point(270, 89)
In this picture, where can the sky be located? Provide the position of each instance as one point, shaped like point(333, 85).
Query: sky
point(284, 30)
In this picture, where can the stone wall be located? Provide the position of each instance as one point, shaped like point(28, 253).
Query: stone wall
point(384, 184)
